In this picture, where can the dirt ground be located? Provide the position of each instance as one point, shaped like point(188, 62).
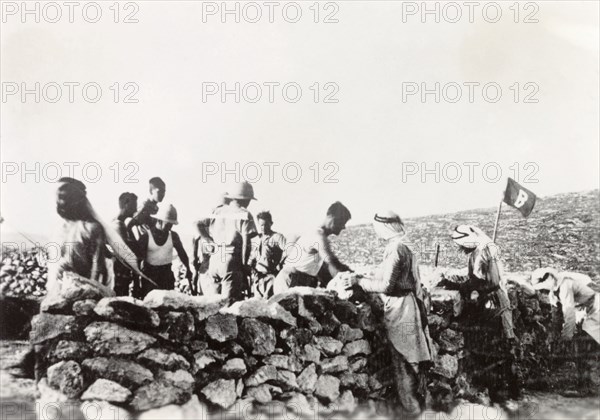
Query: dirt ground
point(17, 401)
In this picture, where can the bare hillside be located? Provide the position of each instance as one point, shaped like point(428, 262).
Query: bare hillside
point(563, 231)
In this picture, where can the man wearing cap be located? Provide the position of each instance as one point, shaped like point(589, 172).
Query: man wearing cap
point(491, 314)
point(573, 291)
point(310, 261)
point(156, 248)
point(399, 284)
point(230, 231)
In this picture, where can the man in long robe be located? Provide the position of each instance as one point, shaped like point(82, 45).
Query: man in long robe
point(398, 282)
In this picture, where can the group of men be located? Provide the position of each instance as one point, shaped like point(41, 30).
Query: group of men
point(237, 258)
point(233, 255)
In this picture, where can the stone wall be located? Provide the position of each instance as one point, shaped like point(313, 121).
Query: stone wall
point(305, 348)
point(539, 360)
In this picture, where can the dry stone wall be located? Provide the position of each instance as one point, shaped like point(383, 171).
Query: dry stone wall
point(305, 349)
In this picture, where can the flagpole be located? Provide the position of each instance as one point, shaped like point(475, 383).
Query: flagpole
point(497, 219)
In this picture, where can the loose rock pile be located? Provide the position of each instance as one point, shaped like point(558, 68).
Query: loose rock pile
point(23, 274)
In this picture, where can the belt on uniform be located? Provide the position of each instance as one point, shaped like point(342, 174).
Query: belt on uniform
point(227, 249)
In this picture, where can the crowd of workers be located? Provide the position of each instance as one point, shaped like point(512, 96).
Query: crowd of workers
point(233, 255)
point(238, 258)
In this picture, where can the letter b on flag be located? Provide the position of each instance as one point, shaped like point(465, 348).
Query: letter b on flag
point(518, 197)
point(521, 199)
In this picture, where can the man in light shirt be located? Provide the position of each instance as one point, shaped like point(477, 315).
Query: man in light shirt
point(573, 291)
point(230, 232)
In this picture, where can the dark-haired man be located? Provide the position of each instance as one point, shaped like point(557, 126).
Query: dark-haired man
point(82, 252)
point(157, 189)
point(123, 224)
point(311, 261)
point(267, 256)
point(82, 237)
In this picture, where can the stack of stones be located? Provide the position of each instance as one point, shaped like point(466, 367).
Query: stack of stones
point(537, 326)
point(92, 346)
point(448, 348)
point(305, 348)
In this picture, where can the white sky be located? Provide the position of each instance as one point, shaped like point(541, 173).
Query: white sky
point(368, 134)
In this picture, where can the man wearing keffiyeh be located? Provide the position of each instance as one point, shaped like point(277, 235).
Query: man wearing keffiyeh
point(398, 282)
point(493, 350)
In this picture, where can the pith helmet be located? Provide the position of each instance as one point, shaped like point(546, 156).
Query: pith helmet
point(241, 191)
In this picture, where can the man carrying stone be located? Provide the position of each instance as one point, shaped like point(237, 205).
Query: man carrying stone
point(312, 262)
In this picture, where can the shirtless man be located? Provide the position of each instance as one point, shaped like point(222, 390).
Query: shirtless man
point(82, 252)
point(316, 263)
point(124, 276)
point(143, 218)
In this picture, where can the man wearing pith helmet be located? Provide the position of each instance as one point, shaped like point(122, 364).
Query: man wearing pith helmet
point(230, 230)
point(156, 248)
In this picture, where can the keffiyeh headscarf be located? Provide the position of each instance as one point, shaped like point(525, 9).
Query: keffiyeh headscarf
point(388, 225)
point(469, 236)
point(546, 278)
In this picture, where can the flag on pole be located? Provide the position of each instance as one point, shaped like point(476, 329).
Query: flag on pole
point(519, 197)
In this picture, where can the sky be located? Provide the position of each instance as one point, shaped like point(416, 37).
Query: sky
point(358, 130)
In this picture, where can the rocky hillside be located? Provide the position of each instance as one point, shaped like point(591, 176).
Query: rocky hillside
point(562, 231)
